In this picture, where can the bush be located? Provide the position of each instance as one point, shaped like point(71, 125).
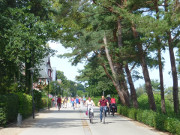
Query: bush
point(144, 104)
point(37, 100)
point(96, 100)
point(12, 105)
point(148, 117)
point(132, 113)
point(3, 118)
point(8, 108)
point(139, 115)
point(25, 104)
point(154, 119)
point(44, 103)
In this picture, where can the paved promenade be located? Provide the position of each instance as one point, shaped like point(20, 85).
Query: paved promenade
point(74, 122)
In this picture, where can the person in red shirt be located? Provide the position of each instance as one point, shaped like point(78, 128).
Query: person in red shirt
point(113, 100)
point(59, 102)
point(113, 104)
point(103, 103)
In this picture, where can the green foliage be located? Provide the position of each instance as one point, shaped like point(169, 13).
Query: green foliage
point(25, 29)
point(96, 99)
point(3, 116)
point(8, 108)
point(157, 120)
point(44, 103)
point(144, 104)
point(12, 107)
point(132, 113)
point(143, 101)
point(80, 93)
point(140, 90)
point(37, 100)
point(25, 104)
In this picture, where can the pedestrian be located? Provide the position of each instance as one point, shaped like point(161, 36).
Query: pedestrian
point(59, 102)
point(103, 103)
point(77, 102)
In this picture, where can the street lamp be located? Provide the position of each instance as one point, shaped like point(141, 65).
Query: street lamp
point(48, 79)
point(32, 72)
point(59, 82)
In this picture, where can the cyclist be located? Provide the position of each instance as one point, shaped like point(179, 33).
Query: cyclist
point(103, 103)
point(113, 103)
point(89, 104)
point(113, 100)
point(59, 102)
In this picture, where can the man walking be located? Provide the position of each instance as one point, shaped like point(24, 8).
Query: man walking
point(103, 103)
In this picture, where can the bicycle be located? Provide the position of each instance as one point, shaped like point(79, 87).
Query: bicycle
point(91, 114)
point(59, 106)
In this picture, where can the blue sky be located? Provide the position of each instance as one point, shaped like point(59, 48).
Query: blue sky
point(71, 71)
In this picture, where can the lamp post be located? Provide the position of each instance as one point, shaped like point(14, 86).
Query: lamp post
point(55, 90)
point(59, 82)
point(48, 91)
point(32, 72)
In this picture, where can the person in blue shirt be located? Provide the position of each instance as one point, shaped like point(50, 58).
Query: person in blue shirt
point(77, 102)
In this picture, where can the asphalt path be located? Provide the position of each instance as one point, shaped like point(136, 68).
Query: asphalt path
point(74, 122)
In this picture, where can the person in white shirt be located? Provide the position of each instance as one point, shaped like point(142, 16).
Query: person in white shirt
point(89, 104)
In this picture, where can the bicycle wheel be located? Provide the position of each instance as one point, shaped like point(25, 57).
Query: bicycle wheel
point(103, 116)
point(113, 111)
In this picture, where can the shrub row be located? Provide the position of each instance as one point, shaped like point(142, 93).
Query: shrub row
point(12, 104)
point(2, 110)
point(148, 117)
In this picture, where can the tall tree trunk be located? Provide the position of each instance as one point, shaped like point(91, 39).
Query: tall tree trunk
point(147, 79)
point(145, 73)
point(163, 108)
point(173, 68)
point(122, 81)
point(132, 88)
point(120, 70)
point(174, 75)
point(120, 92)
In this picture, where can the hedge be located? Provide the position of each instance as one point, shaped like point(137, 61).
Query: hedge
point(12, 104)
point(3, 110)
point(151, 118)
point(25, 104)
point(44, 103)
point(8, 108)
point(37, 100)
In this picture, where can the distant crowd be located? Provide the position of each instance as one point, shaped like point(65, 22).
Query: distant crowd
point(67, 102)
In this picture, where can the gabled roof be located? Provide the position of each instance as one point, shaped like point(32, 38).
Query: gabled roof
point(44, 67)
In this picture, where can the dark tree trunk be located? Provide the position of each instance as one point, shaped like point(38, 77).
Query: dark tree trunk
point(147, 79)
point(174, 75)
point(122, 81)
point(132, 88)
point(122, 93)
point(145, 73)
point(163, 108)
point(173, 68)
point(120, 70)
